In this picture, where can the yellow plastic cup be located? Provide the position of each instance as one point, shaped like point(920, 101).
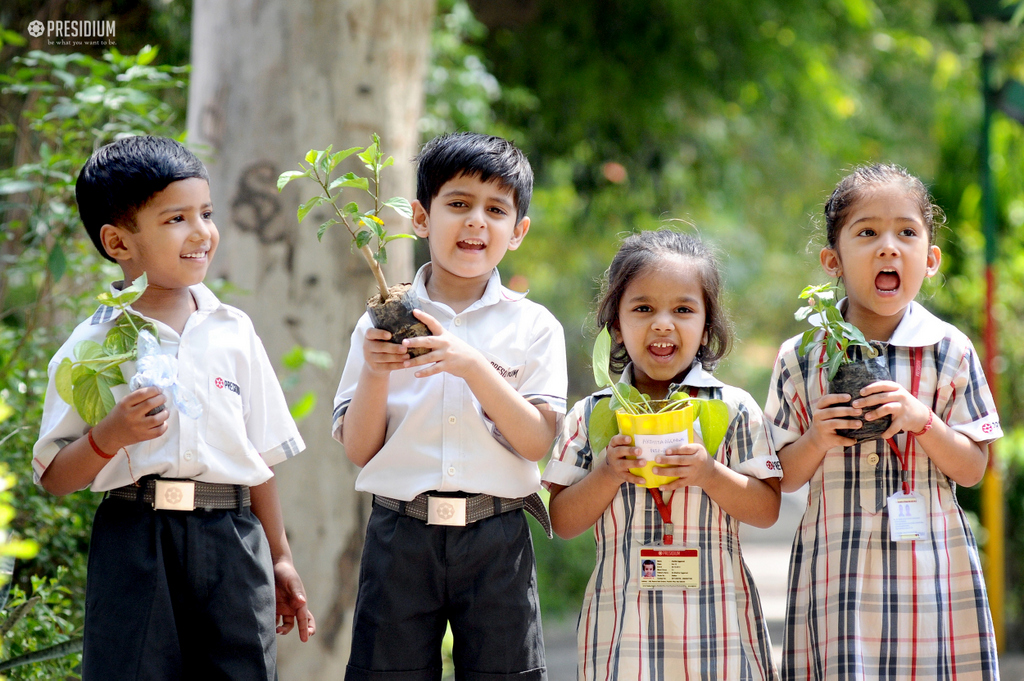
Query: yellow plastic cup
point(666, 424)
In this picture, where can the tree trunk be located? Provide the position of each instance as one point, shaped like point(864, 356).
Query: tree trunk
point(272, 79)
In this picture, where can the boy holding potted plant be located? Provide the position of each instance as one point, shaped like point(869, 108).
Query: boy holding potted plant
point(448, 441)
point(188, 544)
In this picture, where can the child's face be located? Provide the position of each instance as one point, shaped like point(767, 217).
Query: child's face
point(662, 322)
point(471, 225)
point(648, 570)
point(175, 238)
point(883, 256)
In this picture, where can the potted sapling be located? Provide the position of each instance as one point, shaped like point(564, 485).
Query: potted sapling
point(850, 360)
point(654, 425)
point(391, 307)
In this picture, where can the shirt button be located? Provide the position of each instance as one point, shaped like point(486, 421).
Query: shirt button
point(873, 459)
point(458, 321)
point(188, 455)
point(451, 419)
point(451, 470)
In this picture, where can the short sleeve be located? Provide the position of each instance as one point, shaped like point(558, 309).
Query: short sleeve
point(572, 457)
point(748, 442)
point(786, 412)
point(350, 375)
point(545, 382)
point(268, 422)
point(60, 426)
point(971, 409)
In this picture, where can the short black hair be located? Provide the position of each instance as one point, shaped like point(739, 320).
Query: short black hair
point(120, 178)
point(475, 155)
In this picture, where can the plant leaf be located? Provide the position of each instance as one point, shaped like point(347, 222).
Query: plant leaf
point(62, 380)
point(304, 407)
point(351, 180)
point(88, 349)
point(401, 206)
point(363, 237)
point(391, 237)
point(57, 263)
point(311, 155)
point(602, 426)
point(93, 399)
point(600, 357)
point(127, 296)
point(288, 176)
point(323, 228)
point(339, 156)
point(304, 209)
point(351, 208)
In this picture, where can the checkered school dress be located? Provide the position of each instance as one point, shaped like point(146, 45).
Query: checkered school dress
point(716, 632)
point(860, 605)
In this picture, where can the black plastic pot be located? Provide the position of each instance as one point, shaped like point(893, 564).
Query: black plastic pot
point(850, 379)
point(395, 315)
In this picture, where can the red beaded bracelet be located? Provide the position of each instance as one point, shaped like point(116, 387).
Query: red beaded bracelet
point(927, 426)
point(96, 447)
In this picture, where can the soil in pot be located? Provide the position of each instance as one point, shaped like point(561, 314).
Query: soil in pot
point(850, 379)
point(395, 315)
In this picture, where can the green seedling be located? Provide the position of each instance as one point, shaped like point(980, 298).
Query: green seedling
point(85, 383)
point(839, 336)
point(365, 227)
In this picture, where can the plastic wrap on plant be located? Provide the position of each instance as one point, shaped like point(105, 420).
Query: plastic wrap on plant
point(153, 368)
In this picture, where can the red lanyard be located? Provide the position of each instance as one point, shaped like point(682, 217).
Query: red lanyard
point(663, 509)
point(915, 384)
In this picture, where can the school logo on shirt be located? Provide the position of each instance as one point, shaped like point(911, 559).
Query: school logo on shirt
point(988, 428)
point(774, 465)
point(222, 383)
point(507, 374)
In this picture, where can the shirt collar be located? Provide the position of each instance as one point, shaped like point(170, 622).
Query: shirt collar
point(206, 302)
point(918, 328)
point(493, 293)
point(696, 377)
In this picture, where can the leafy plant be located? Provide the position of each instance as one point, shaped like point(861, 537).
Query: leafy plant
point(839, 336)
point(625, 396)
point(85, 384)
point(363, 226)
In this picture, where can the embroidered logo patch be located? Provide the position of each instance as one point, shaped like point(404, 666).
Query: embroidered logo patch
point(222, 383)
point(774, 465)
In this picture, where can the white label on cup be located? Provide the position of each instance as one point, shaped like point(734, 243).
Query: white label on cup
point(653, 445)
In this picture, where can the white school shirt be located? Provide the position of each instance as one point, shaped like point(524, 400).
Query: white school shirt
point(438, 437)
point(245, 427)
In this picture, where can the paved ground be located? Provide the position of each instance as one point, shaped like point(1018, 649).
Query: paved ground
point(767, 555)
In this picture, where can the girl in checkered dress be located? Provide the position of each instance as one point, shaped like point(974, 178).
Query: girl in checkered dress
point(661, 303)
point(870, 600)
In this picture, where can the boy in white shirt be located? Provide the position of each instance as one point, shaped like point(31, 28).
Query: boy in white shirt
point(449, 441)
point(175, 593)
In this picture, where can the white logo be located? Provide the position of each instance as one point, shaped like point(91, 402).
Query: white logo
point(35, 28)
point(173, 495)
point(445, 511)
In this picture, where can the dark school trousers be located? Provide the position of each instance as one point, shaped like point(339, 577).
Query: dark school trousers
point(414, 578)
point(175, 595)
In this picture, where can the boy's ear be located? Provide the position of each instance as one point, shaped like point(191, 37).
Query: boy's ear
point(519, 233)
point(831, 263)
point(114, 242)
point(420, 220)
point(934, 260)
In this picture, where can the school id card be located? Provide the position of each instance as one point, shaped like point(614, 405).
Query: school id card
point(663, 567)
point(908, 516)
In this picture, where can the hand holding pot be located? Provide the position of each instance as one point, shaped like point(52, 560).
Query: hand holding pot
point(691, 463)
point(445, 351)
point(620, 456)
point(908, 413)
point(381, 355)
point(826, 418)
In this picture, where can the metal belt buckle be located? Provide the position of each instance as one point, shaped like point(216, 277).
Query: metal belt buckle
point(446, 511)
point(175, 495)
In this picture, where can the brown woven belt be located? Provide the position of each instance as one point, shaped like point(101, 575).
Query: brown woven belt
point(184, 495)
point(478, 507)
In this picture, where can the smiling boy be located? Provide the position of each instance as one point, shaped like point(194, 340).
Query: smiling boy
point(449, 442)
point(190, 593)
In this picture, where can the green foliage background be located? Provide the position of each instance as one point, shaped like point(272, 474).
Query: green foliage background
point(735, 117)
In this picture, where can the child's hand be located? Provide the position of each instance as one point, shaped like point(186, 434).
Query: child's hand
point(691, 463)
point(615, 462)
point(381, 355)
point(447, 352)
point(129, 422)
point(291, 601)
point(826, 419)
point(908, 413)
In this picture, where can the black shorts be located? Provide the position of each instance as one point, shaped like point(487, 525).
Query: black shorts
point(178, 595)
point(415, 578)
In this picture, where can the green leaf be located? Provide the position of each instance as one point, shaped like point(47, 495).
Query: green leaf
point(56, 263)
point(834, 362)
point(93, 398)
point(381, 256)
point(146, 55)
point(88, 349)
point(389, 162)
point(122, 337)
point(602, 426)
point(323, 159)
point(311, 155)
point(600, 357)
point(391, 237)
point(294, 358)
point(363, 237)
point(127, 295)
point(806, 340)
point(351, 180)
point(62, 379)
point(340, 156)
point(304, 209)
point(351, 208)
point(803, 313)
point(288, 176)
point(304, 407)
point(400, 205)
